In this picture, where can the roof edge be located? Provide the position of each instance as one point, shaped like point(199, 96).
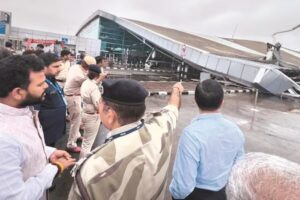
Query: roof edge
point(95, 15)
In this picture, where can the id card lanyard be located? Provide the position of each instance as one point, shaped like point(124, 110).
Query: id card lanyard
point(111, 138)
point(57, 89)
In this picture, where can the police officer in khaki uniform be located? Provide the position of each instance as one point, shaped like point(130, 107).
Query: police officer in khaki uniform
point(76, 75)
point(134, 160)
point(91, 96)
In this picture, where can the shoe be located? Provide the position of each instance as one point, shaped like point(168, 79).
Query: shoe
point(73, 149)
point(79, 139)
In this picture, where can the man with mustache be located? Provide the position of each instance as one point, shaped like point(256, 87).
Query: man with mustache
point(27, 165)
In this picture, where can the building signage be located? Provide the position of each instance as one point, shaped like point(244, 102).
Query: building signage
point(65, 40)
point(2, 28)
point(38, 41)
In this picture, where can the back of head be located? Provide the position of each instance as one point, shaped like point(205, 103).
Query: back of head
point(49, 58)
point(94, 72)
point(15, 71)
point(82, 55)
point(209, 95)
point(38, 52)
point(8, 44)
point(259, 176)
point(64, 52)
point(40, 46)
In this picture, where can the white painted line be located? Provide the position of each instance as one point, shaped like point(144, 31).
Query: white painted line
point(162, 93)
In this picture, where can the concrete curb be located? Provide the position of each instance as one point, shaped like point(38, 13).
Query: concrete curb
point(164, 93)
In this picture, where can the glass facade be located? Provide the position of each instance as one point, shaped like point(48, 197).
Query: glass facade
point(120, 44)
point(124, 48)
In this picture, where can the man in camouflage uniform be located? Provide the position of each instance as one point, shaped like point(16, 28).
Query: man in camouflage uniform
point(134, 160)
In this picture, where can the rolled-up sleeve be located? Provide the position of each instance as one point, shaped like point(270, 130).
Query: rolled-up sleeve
point(167, 118)
point(12, 186)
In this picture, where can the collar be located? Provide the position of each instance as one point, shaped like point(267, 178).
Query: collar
point(123, 128)
point(51, 78)
point(208, 115)
point(8, 110)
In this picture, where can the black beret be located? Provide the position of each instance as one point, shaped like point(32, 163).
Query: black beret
point(124, 92)
point(95, 68)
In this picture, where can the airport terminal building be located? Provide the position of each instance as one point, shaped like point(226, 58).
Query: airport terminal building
point(128, 43)
point(245, 62)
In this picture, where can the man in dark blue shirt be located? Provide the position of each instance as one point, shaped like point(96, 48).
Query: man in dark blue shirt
point(52, 113)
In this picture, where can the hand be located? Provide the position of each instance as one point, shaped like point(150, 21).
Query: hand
point(102, 77)
point(66, 162)
point(57, 154)
point(178, 86)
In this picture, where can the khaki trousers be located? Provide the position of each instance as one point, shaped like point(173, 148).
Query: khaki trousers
point(74, 108)
point(91, 123)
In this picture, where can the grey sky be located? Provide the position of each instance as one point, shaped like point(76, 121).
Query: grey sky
point(254, 19)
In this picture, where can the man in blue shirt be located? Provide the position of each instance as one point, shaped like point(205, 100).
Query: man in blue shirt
point(207, 150)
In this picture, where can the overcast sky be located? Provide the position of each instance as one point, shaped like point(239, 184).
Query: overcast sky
point(252, 19)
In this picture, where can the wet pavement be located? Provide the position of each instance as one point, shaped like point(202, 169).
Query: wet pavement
point(272, 126)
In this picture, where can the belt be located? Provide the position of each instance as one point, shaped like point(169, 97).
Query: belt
point(71, 95)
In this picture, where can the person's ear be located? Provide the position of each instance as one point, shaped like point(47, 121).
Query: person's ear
point(18, 94)
point(112, 116)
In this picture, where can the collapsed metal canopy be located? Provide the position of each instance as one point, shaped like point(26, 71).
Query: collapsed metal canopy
point(219, 56)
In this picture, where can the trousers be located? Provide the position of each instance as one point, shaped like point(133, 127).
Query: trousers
point(74, 108)
point(91, 123)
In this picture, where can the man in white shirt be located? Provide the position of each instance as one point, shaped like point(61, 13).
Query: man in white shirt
point(27, 165)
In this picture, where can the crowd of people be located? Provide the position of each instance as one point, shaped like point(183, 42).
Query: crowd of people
point(39, 91)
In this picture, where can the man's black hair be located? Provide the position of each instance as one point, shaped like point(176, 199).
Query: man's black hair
point(49, 58)
point(15, 71)
point(8, 44)
point(82, 55)
point(64, 52)
point(209, 95)
point(38, 52)
point(41, 46)
point(99, 59)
